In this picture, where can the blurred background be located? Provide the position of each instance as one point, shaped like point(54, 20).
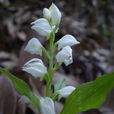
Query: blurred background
point(90, 21)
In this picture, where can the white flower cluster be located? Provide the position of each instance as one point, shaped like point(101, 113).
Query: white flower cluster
point(44, 27)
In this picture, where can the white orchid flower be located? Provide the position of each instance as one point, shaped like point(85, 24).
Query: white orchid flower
point(65, 55)
point(34, 47)
point(55, 14)
point(46, 13)
point(23, 99)
point(35, 67)
point(47, 105)
point(67, 40)
point(66, 91)
point(42, 26)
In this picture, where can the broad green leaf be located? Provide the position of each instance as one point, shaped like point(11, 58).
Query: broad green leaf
point(60, 84)
point(90, 95)
point(22, 87)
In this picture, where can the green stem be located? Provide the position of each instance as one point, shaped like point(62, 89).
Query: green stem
point(45, 52)
point(56, 67)
point(51, 71)
point(56, 43)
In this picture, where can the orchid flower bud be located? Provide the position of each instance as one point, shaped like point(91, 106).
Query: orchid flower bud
point(67, 40)
point(47, 105)
point(65, 55)
point(46, 13)
point(66, 91)
point(24, 99)
point(55, 14)
point(35, 67)
point(34, 47)
point(42, 26)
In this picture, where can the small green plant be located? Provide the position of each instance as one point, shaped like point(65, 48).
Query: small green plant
point(87, 96)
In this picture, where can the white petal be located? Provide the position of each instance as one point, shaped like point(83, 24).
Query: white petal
point(47, 105)
point(46, 13)
point(65, 55)
point(42, 27)
point(67, 40)
point(34, 47)
point(35, 67)
point(68, 61)
point(34, 71)
point(66, 91)
point(34, 60)
point(55, 14)
point(23, 100)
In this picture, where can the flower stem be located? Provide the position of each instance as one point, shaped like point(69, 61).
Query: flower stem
point(45, 52)
point(51, 71)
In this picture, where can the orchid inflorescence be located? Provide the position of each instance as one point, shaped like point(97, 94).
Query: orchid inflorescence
point(47, 27)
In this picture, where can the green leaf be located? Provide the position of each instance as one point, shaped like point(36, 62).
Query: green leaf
point(60, 84)
point(22, 87)
point(90, 95)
